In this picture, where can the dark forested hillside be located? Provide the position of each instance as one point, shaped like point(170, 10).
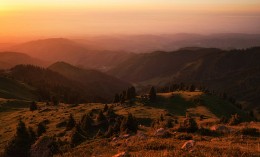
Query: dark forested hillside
point(235, 72)
point(72, 85)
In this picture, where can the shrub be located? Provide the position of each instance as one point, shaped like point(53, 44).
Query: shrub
point(207, 132)
point(250, 131)
point(33, 106)
point(234, 120)
point(223, 120)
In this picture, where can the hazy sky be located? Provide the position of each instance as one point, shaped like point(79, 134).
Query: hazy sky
point(25, 18)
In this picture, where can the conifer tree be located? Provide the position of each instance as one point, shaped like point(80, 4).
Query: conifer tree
point(77, 136)
point(86, 123)
point(105, 108)
point(116, 98)
point(101, 117)
point(41, 129)
point(19, 146)
point(33, 106)
point(129, 123)
point(152, 94)
point(71, 122)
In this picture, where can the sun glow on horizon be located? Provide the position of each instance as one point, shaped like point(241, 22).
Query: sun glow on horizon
point(74, 17)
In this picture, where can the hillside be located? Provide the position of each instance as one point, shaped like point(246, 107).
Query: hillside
point(235, 71)
point(93, 81)
point(66, 83)
point(145, 142)
point(12, 89)
point(10, 59)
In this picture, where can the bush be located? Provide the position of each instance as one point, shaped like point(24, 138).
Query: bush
point(234, 120)
point(33, 106)
point(250, 131)
point(207, 132)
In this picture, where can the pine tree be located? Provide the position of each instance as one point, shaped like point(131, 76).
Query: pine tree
point(71, 122)
point(105, 108)
point(86, 123)
point(101, 117)
point(77, 136)
point(192, 88)
point(41, 129)
point(129, 123)
point(33, 106)
point(116, 98)
point(152, 94)
point(32, 135)
point(19, 146)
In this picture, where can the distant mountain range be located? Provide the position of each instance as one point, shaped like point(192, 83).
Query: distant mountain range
point(59, 49)
point(106, 52)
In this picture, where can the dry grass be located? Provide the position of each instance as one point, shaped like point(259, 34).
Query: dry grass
point(222, 146)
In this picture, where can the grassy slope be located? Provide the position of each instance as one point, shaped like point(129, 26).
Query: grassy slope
point(178, 105)
point(12, 89)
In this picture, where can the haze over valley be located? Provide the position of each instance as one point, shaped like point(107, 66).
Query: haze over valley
point(129, 78)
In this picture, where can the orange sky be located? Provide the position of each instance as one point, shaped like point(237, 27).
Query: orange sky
point(38, 18)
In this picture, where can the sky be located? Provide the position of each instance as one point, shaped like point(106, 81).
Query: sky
point(61, 18)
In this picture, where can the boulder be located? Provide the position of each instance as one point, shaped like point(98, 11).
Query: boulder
point(189, 145)
point(160, 132)
point(122, 154)
point(220, 128)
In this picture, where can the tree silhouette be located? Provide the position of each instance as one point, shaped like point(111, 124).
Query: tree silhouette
point(71, 123)
point(33, 106)
point(129, 123)
point(152, 94)
point(19, 146)
point(41, 129)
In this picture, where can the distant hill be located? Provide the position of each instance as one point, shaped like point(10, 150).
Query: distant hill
point(53, 49)
point(61, 49)
point(235, 72)
point(67, 83)
point(10, 59)
point(96, 82)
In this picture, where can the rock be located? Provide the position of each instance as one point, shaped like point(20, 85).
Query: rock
point(142, 136)
point(42, 147)
point(122, 154)
point(125, 136)
point(220, 128)
point(189, 145)
point(160, 132)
